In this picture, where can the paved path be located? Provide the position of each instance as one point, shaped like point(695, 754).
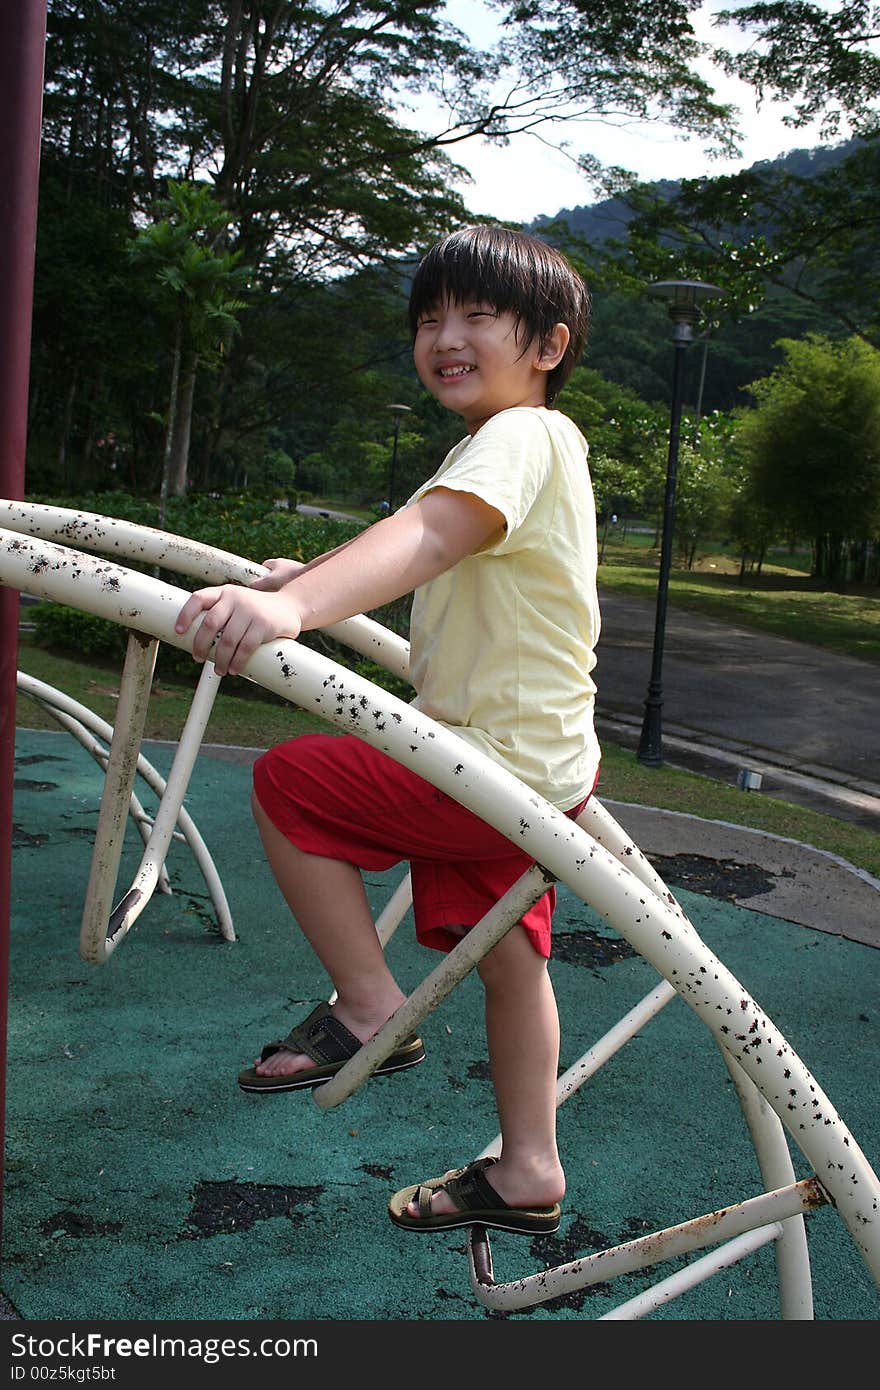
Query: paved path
point(733, 696)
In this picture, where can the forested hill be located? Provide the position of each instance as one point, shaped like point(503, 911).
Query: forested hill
point(596, 222)
point(629, 342)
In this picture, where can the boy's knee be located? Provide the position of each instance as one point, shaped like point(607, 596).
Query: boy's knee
point(513, 956)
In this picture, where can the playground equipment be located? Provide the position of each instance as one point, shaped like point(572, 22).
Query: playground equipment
point(594, 857)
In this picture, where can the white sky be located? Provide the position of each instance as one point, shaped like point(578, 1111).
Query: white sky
point(527, 178)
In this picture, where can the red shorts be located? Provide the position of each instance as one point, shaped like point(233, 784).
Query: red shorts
point(338, 797)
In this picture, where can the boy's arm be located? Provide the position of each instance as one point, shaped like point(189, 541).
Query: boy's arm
point(283, 570)
point(387, 560)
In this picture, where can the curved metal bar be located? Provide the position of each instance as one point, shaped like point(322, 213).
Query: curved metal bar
point(654, 924)
point(774, 1161)
point(46, 699)
point(700, 1233)
point(145, 544)
point(657, 929)
point(74, 716)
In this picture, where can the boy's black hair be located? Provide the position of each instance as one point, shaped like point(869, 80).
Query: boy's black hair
point(515, 273)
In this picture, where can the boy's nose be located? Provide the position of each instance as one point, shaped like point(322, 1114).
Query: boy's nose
point(450, 333)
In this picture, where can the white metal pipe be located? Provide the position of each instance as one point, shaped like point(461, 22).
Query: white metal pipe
point(703, 1231)
point(774, 1162)
point(693, 1274)
point(659, 931)
point(132, 904)
point(612, 1041)
point(95, 944)
point(526, 891)
point(598, 821)
point(602, 1051)
point(60, 705)
point(395, 909)
point(145, 544)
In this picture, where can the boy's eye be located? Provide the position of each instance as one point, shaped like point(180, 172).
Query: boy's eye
point(424, 320)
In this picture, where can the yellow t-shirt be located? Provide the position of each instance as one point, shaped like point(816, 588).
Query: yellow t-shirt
point(503, 643)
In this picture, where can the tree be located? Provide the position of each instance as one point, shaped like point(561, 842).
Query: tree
point(823, 61)
point(706, 488)
point(293, 112)
point(192, 282)
point(810, 233)
point(813, 446)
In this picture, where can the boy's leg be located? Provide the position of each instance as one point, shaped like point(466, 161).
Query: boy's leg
point(327, 898)
point(522, 1032)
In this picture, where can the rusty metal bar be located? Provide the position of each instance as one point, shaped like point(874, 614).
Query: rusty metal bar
point(697, 1272)
point(95, 945)
point(711, 1229)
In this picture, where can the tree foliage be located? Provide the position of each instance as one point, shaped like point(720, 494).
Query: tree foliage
point(825, 62)
point(811, 234)
point(813, 445)
point(296, 121)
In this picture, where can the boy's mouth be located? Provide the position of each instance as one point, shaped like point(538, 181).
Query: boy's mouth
point(462, 370)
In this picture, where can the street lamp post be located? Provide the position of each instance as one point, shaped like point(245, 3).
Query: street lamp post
point(399, 412)
point(683, 298)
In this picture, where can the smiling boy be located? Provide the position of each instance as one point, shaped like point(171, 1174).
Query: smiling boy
point(500, 548)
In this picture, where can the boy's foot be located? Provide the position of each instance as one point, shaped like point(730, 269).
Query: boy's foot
point(465, 1197)
point(317, 1049)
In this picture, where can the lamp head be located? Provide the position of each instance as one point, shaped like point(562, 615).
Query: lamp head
point(683, 299)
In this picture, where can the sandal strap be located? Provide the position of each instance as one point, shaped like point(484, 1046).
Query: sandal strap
point(471, 1190)
point(320, 1036)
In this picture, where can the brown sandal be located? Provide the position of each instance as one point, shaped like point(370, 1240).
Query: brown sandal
point(330, 1045)
point(478, 1205)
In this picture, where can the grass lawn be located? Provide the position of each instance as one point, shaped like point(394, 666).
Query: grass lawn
point(246, 716)
point(781, 599)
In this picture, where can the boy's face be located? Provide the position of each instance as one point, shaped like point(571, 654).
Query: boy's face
point(469, 357)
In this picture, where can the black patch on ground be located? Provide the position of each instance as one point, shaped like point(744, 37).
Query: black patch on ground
point(22, 839)
point(25, 784)
point(73, 1224)
point(219, 1208)
point(479, 1071)
point(589, 948)
point(31, 758)
point(81, 832)
point(715, 878)
point(377, 1170)
point(559, 1249)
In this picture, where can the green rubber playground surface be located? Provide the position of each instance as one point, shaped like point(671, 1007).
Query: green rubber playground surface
point(140, 1183)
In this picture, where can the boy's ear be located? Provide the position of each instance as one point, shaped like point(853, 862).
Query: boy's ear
point(553, 349)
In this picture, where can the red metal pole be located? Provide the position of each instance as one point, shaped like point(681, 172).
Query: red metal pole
point(22, 51)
